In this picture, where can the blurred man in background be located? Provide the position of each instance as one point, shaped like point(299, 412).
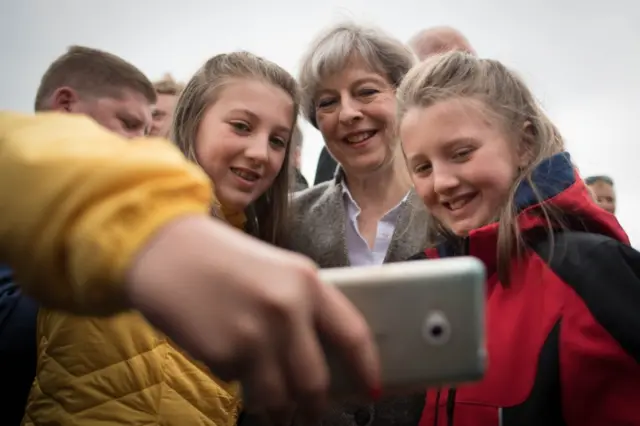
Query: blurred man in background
point(168, 91)
point(432, 41)
point(604, 192)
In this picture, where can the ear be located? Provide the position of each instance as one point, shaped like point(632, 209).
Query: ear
point(65, 99)
point(525, 149)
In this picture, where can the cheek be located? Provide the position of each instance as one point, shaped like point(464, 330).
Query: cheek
point(326, 124)
point(382, 110)
point(424, 189)
point(495, 181)
point(213, 153)
point(276, 163)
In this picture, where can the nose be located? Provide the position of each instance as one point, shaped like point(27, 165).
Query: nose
point(349, 111)
point(444, 181)
point(257, 149)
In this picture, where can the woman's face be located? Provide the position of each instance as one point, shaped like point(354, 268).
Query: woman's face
point(242, 140)
point(462, 165)
point(355, 110)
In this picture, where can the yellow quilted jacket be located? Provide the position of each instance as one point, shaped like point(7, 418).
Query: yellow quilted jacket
point(117, 193)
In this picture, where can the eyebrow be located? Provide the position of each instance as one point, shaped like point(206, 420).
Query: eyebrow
point(376, 80)
point(450, 144)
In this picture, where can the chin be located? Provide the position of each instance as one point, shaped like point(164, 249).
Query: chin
point(234, 203)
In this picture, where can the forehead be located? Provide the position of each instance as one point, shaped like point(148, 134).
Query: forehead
point(268, 102)
point(446, 120)
point(349, 71)
point(127, 102)
point(602, 188)
point(166, 102)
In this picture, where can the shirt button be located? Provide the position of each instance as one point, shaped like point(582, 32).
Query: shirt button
point(362, 416)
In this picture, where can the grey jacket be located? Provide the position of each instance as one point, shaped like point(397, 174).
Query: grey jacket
point(319, 220)
point(318, 231)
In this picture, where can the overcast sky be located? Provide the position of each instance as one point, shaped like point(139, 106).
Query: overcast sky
point(582, 58)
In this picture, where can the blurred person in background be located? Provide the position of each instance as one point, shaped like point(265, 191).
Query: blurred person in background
point(168, 91)
point(432, 41)
point(604, 192)
point(298, 181)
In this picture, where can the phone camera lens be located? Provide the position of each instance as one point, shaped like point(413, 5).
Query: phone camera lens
point(436, 330)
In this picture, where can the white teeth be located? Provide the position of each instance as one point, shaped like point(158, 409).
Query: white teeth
point(360, 137)
point(458, 203)
point(251, 177)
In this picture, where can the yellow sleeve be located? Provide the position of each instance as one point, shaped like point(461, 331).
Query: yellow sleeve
point(77, 202)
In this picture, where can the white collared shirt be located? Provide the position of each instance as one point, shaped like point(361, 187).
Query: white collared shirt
point(358, 250)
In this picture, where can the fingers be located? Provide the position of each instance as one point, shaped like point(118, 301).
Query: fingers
point(347, 331)
point(264, 386)
point(307, 372)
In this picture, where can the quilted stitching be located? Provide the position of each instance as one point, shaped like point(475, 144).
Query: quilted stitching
point(119, 370)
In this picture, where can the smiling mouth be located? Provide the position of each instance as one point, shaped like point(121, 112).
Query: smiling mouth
point(246, 174)
point(459, 202)
point(360, 137)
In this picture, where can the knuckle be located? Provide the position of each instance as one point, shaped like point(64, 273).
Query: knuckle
point(248, 332)
point(280, 306)
point(357, 335)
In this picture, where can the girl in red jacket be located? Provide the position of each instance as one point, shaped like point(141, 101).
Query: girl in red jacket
point(563, 288)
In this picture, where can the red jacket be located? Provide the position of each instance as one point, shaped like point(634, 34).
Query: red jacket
point(564, 337)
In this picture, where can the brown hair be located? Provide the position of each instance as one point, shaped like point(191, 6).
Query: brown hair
point(508, 102)
point(266, 217)
point(168, 86)
point(92, 72)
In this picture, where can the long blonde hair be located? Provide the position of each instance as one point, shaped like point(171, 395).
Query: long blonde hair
point(266, 216)
point(508, 102)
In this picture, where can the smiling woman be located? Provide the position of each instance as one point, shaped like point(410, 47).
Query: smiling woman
point(368, 214)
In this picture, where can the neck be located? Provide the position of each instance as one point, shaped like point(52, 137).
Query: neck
point(381, 190)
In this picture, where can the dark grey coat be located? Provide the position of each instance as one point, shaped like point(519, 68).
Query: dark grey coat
point(318, 231)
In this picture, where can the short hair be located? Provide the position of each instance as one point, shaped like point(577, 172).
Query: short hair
point(432, 41)
point(92, 72)
point(168, 86)
point(332, 50)
point(599, 178)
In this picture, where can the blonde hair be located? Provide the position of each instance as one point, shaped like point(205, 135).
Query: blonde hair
point(168, 86)
point(332, 50)
point(92, 72)
point(508, 102)
point(267, 215)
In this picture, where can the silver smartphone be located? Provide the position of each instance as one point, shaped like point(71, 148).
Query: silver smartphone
point(427, 317)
